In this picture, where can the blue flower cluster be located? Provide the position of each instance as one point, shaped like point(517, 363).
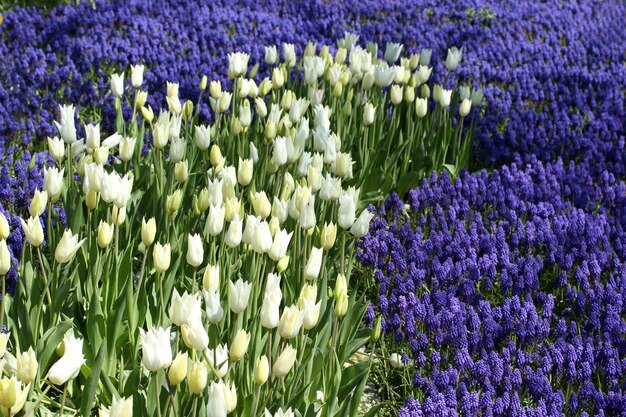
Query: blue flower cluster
point(508, 291)
point(20, 176)
point(553, 73)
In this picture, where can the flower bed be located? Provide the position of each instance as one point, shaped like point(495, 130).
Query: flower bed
point(506, 292)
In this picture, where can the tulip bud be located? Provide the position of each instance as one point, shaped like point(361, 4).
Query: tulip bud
point(211, 278)
point(203, 83)
point(197, 376)
point(239, 295)
point(127, 148)
point(444, 100)
point(377, 329)
point(314, 264)
point(194, 335)
point(105, 234)
point(216, 156)
point(341, 305)
point(173, 202)
point(161, 257)
point(5, 258)
point(341, 55)
point(261, 370)
point(67, 247)
point(118, 215)
point(91, 199)
point(230, 397)
point(284, 362)
point(328, 236)
point(454, 58)
point(239, 345)
point(409, 94)
point(178, 370)
point(465, 107)
point(147, 114)
point(32, 230)
point(215, 88)
point(421, 107)
point(368, 114)
point(265, 87)
point(282, 264)
point(187, 110)
point(396, 94)
point(117, 84)
point(4, 227)
point(278, 78)
point(244, 171)
point(38, 203)
point(181, 172)
point(195, 251)
point(56, 148)
point(148, 231)
point(101, 155)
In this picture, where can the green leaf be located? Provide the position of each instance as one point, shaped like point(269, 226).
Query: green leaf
point(48, 343)
point(409, 181)
point(352, 376)
point(89, 392)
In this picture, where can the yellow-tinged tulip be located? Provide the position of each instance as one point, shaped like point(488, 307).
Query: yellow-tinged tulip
point(328, 236)
point(239, 345)
point(27, 366)
point(284, 362)
point(230, 396)
point(290, 322)
point(161, 257)
point(4, 338)
point(174, 202)
point(33, 230)
point(181, 171)
point(261, 370)
point(91, 199)
point(105, 234)
point(341, 305)
point(282, 265)
point(197, 376)
point(5, 258)
point(178, 370)
point(148, 231)
point(244, 171)
point(211, 278)
point(12, 396)
point(4, 227)
point(122, 407)
point(38, 203)
point(67, 247)
point(216, 156)
point(118, 215)
point(147, 113)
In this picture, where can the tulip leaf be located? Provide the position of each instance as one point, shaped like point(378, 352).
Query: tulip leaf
point(89, 392)
point(352, 376)
point(48, 343)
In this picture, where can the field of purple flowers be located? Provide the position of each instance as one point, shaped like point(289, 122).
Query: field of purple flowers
point(505, 288)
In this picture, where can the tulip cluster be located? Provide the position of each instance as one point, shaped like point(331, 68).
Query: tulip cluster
point(212, 270)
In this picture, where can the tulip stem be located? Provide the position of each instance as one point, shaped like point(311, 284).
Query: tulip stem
point(156, 393)
point(195, 406)
point(63, 400)
point(4, 280)
point(143, 267)
point(45, 276)
point(256, 400)
point(160, 279)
